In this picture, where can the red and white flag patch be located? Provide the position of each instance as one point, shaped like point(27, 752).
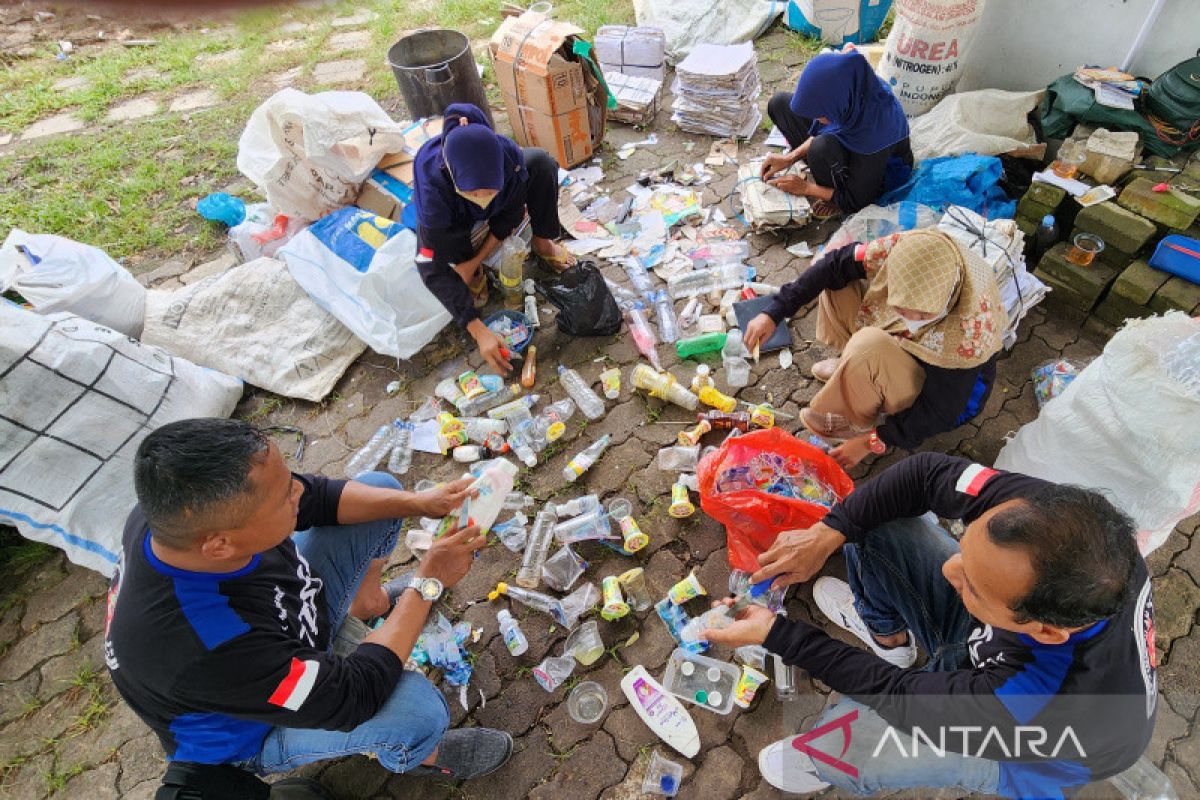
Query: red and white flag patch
point(293, 690)
point(425, 254)
point(973, 479)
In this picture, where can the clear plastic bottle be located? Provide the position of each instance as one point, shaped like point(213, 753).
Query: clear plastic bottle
point(514, 637)
point(531, 311)
point(371, 453)
point(668, 327)
point(511, 271)
point(591, 525)
point(537, 548)
point(703, 281)
point(678, 458)
point(663, 385)
point(529, 369)
point(638, 276)
point(590, 404)
point(521, 443)
point(402, 451)
point(625, 298)
point(478, 429)
point(690, 314)
point(1045, 237)
point(584, 460)
point(551, 423)
point(576, 506)
point(733, 356)
point(785, 680)
point(477, 405)
point(515, 501)
point(1144, 781)
point(551, 673)
point(643, 335)
point(514, 407)
point(535, 600)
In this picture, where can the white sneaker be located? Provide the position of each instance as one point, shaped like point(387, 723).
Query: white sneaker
point(836, 601)
point(789, 770)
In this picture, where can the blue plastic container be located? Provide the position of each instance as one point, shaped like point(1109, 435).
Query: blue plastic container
point(517, 318)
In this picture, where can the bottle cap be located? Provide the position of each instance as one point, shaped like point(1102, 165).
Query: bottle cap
point(687, 668)
point(701, 696)
point(1048, 220)
point(667, 784)
point(714, 698)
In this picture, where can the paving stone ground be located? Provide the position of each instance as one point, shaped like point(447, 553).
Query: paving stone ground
point(64, 732)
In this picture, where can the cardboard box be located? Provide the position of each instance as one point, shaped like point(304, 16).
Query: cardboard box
point(388, 190)
point(554, 98)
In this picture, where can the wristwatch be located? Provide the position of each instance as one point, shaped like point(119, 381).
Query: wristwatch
point(875, 444)
point(430, 589)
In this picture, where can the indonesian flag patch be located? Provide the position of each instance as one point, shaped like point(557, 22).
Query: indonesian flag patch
point(425, 255)
point(973, 479)
point(293, 690)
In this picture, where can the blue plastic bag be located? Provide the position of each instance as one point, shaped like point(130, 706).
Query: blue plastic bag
point(354, 235)
point(970, 180)
point(221, 207)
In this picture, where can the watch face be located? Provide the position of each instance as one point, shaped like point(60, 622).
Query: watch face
point(430, 589)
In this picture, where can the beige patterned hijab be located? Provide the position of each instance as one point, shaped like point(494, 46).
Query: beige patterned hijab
point(927, 271)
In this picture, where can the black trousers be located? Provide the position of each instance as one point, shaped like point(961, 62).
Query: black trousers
point(448, 246)
point(856, 178)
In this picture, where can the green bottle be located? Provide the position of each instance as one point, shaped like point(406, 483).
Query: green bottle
point(704, 343)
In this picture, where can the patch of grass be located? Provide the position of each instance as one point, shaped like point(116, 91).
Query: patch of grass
point(55, 780)
point(18, 557)
point(88, 685)
point(266, 408)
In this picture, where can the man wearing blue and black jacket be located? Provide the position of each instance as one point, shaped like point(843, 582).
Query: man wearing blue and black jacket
point(1038, 625)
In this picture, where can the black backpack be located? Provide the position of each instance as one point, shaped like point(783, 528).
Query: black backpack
point(1172, 104)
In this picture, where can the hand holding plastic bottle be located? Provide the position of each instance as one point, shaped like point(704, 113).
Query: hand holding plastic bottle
point(491, 347)
point(798, 555)
point(751, 626)
point(447, 498)
point(758, 331)
point(450, 557)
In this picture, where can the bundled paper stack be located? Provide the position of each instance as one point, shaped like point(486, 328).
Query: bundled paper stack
point(716, 91)
point(1000, 243)
point(637, 98)
point(763, 205)
point(640, 52)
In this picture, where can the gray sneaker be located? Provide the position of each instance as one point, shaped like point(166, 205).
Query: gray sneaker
point(466, 753)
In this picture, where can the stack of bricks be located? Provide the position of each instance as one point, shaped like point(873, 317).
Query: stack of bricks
point(1120, 284)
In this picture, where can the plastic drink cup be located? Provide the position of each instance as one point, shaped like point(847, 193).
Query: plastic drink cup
point(562, 569)
point(585, 643)
point(678, 458)
point(632, 536)
point(681, 505)
point(610, 382)
point(637, 593)
point(1084, 249)
point(1068, 163)
point(685, 590)
point(711, 396)
point(662, 776)
point(615, 606)
point(587, 702)
point(593, 524)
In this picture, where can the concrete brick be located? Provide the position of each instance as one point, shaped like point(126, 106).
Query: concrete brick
point(1088, 282)
point(1119, 228)
point(1028, 227)
point(1139, 282)
point(1176, 293)
point(1115, 309)
point(1031, 209)
point(1063, 297)
point(1100, 327)
point(1171, 208)
point(1045, 194)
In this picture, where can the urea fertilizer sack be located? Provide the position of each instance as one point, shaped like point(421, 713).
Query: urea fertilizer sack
point(923, 57)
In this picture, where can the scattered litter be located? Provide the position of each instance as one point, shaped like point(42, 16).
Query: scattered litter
point(627, 149)
point(801, 250)
point(723, 151)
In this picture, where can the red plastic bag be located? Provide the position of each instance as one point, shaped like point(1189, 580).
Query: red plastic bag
point(753, 517)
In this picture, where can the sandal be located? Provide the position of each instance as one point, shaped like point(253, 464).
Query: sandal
point(828, 425)
point(479, 289)
point(561, 260)
point(822, 210)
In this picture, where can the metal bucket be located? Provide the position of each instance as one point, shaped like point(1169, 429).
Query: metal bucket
point(435, 68)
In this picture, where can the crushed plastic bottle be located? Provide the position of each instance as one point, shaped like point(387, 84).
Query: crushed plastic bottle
point(643, 335)
point(562, 569)
point(514, 407)
point(585, 459)
point(513, 532)
point(590, 404)
point(678, 458)
point(668, 328)
point(478, 429)
point(371, 453)
point(638, 276)
point(536, 549)
point(663, 385)
point(733, 356)
point(703, 281)
point(1144, 781)
point(551, 673)
point(402, 451)
point(576, 506)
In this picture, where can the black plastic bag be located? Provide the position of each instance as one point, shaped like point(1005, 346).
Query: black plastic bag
point(585, 305)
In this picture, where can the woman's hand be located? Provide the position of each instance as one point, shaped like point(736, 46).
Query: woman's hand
point(798, 555)
point(751, 627)
point(491, 347)
point(851, 451)
point(773, 163)
point(792, 184)
point(758, 331)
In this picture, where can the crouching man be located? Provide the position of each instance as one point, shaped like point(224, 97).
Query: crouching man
point(236, 576)
point(1038, 626)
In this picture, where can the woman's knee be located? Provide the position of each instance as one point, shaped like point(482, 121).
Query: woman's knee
point(778, 107)
point(538, 162)
point(869, 342)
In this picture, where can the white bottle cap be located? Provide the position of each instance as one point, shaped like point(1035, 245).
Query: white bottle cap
point(714, 674)
point(687, 668)
point(715, 698)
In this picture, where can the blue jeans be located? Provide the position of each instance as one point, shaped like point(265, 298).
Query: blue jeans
point(896, 576)
point(412, 721)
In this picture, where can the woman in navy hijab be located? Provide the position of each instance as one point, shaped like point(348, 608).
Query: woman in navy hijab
point(845, 123)
point(472, 188)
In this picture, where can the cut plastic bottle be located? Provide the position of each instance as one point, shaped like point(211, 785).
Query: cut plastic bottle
point(537, 547)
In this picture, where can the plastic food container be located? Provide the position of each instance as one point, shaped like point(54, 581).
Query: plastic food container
point(521, 333)
point(701, 680)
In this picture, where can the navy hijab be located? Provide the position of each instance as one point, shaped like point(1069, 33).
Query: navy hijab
point(464, 157)
point(863, 113)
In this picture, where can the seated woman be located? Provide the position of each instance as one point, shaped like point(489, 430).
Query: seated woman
point(472, 188)
point(846, 125)
point(919, 323)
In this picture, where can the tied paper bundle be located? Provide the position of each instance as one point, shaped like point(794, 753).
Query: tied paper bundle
point(763, 205)
point(1000, 243)
point(637, 98)
point(716, 91)
point(639, 52)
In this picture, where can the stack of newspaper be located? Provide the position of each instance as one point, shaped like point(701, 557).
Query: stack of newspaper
point(716, 91)
point(766, 207)
point(1001, 244)
point(640, 52)
point(637, 98)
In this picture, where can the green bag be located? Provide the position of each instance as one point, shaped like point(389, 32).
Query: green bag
point(1173, 104)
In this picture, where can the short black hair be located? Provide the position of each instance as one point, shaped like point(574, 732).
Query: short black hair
point(1083, 552)
point(192, 476)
